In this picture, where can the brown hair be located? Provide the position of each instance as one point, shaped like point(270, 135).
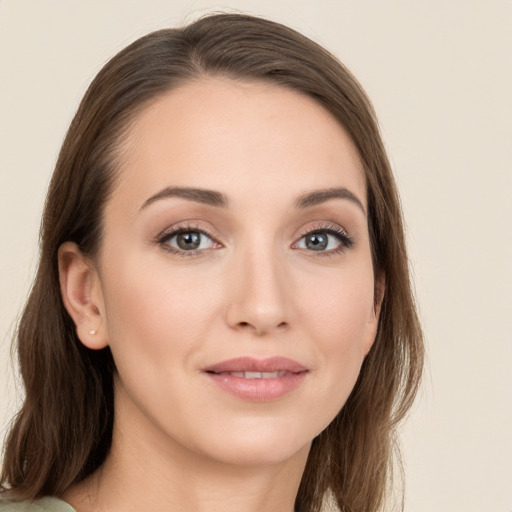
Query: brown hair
point(63, 431)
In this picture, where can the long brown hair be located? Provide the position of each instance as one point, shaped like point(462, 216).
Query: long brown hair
point(63, 431)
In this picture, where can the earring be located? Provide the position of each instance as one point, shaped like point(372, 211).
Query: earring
point(92, 332)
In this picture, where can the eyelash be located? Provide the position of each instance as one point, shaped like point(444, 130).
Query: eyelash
point(346, 241)
point(168, 234)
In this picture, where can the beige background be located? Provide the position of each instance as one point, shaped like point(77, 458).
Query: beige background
point(439, 73)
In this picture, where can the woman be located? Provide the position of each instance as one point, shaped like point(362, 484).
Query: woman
point(222, 318)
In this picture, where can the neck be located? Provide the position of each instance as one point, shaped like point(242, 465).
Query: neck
point(148, 471)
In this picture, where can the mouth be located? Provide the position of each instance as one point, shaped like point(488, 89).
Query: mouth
point(257, 380)
point(256, 375)
point(254, 368)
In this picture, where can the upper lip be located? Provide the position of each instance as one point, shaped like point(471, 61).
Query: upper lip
point(251, 364)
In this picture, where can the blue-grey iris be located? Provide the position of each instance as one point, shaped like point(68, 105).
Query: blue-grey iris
point(188, 241)
point(317, 241)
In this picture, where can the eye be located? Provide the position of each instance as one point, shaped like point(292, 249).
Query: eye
point(184, 240)
point(332, 239)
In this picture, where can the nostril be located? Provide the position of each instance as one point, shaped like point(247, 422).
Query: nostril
point(282, 325)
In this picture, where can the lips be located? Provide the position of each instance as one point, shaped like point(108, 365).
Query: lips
point(256, 375)
point(250, 364)
point(257, 380)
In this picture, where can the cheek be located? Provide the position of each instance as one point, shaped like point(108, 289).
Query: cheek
point(339, 317)
point(157, 321)
point(340, 306)
point(154, 311)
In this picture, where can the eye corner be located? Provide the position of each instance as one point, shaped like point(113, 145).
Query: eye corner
point(195, 242)
point(327, 240)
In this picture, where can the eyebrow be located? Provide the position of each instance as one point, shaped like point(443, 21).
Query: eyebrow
point(321, 196)
point(199, 195)
point(218, 199)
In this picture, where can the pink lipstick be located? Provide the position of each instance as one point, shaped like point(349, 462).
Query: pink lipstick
point(257, 380)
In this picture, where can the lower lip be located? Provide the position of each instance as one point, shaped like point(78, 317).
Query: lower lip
point(258, 390)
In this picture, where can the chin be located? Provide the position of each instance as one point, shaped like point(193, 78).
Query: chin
point(263, 444)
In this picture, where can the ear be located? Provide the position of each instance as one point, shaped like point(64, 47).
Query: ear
point(82, 295)
point(378, 297)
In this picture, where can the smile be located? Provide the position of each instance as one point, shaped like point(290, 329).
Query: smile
point(257, 380)
point(257, 375)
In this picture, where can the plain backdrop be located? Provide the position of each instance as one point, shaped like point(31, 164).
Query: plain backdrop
point(439, 74)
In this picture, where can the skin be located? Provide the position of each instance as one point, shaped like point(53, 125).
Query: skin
point(254, 288)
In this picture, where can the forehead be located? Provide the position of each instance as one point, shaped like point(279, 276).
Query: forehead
point(237, 136)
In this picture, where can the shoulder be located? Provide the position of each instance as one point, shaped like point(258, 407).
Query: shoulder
point(48, 504)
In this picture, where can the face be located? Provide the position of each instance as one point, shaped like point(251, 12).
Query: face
point(235, 283)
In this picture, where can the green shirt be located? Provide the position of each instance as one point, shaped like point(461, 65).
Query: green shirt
point(47, 504)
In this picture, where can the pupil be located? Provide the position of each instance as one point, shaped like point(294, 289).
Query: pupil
point(316, 241)
point(189, 240)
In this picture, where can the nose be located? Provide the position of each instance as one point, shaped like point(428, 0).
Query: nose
point(259, 294)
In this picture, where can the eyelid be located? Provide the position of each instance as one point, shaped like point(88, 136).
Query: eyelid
point(174, 230)
point(346, 241)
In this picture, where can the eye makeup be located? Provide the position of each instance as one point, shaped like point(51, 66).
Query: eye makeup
point(331, 237)
point(189, 240)
point(198, 239)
